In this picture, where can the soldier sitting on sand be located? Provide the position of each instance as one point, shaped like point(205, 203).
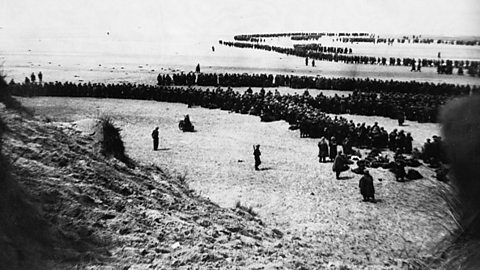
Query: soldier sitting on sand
point(398, 169)
point(340, 164)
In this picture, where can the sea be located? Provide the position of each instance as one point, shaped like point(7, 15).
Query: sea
point(114, 58)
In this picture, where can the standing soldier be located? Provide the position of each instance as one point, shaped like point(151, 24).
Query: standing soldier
point(40, 77)
point(155, 139)
point(256, 154)
point(32, 77)
point(366, 187)
point(322, 150)
point(333, 148)
point(401, 118)
point(306, 61)
point(408, 143)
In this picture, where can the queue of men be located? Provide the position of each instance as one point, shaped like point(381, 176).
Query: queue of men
point(364, 85)
point(398, 100)
point(342, 55)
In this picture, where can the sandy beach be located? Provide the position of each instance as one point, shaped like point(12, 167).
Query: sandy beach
point(293, 191)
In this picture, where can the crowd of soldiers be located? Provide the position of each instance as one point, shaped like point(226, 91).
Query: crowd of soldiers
point(296, 109)
point(333, 54)
point(419, 107)
point(297, 35)
point(357, 37)
point(410, 100)
point(33, 78)
point(300, 111)
point(316, 47)
point(316, 82)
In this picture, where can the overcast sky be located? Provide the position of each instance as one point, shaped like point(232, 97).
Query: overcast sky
point(197, 18)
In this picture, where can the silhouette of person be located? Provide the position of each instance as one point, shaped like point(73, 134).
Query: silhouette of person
point(186, 120)
point(32, 77)
point(322, 150)
point(340, 164)
point(40, 77)
point(366, 187)
point(401, 118)
point(197, 69)
point(155, 139)
point(256, 154)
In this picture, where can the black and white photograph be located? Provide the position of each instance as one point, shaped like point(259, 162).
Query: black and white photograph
point(227, 134)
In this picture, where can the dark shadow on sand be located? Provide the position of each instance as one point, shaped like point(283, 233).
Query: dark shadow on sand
point(345, 177)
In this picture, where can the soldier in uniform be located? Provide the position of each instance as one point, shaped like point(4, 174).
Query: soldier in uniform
point(256, 154)
point(322, 150)
point(340, 164)
point(155, 139)
point(366, 187)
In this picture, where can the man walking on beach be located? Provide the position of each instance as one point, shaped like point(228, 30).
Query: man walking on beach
point(155, 139)
point(256, 154)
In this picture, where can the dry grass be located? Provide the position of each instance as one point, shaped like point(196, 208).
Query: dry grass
point(111, 140)
point(249, 210)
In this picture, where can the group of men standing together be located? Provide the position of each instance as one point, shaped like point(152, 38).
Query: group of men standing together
point(326, 149)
